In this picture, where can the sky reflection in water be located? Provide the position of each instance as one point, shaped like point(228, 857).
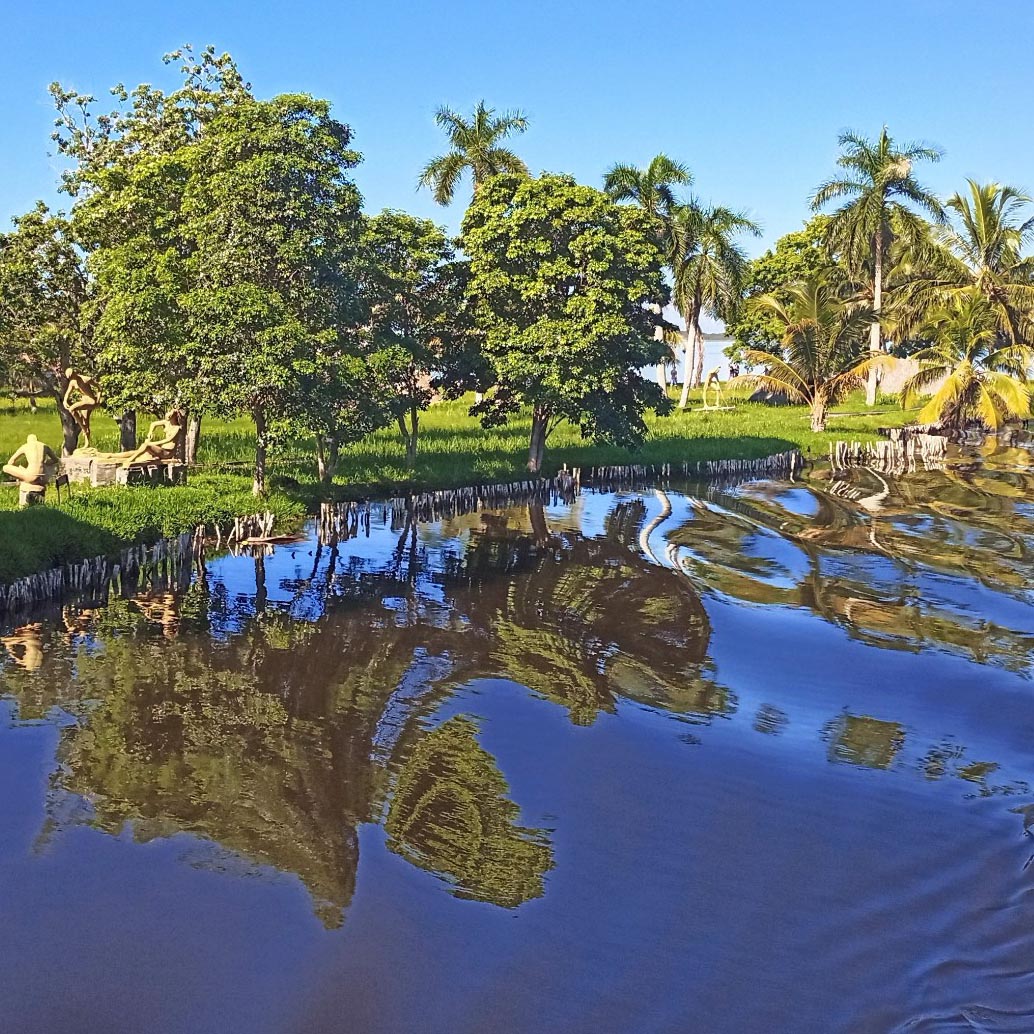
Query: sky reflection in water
point(723, 759)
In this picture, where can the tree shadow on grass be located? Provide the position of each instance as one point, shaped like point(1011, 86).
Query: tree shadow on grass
point(41, 537)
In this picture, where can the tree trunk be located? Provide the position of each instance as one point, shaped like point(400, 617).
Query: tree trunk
point(127, 431)
point(698, 376)
point(327, 451)
point(537, 447)
point(193, 439)
point(875, 337)
point(687, 365)
point(258, 485)
point(818, 414)
point(414, 430)
point(69, 429)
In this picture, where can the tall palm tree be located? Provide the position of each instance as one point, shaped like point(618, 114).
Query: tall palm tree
point(823, 346)
point(878, 185)
point(986, 238)
point(652, 190)
point(982, 378)
point(649, 188)
point(709, 268)
point(475, 145)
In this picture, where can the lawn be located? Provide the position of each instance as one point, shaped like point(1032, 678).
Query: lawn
point(454, 450)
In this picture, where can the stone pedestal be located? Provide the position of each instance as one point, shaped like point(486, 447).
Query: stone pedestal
point(30, 495)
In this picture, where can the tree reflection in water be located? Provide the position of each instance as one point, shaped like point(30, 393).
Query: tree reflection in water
point(274, 722)
point(450, 814)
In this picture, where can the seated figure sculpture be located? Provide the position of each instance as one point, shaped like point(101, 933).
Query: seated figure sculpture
point(32, 475)
point(82, 397)
point(163, 446)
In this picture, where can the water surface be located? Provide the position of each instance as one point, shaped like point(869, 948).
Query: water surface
point(678, 758)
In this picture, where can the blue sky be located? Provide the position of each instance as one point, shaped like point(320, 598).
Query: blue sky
point(750, 94)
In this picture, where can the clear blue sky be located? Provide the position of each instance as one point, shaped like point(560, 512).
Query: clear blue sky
point(750, 94)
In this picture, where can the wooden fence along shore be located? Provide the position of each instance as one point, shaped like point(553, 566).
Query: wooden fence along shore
point(897, 456)
point(134, 568)
point(139, 564)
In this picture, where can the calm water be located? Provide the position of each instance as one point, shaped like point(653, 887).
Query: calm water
point(754, 759)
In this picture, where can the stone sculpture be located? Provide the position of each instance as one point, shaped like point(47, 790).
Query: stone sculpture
point(162, 442)
point(32, 474)
point(82, 397)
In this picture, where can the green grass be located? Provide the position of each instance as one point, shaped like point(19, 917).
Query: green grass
point(454, 450)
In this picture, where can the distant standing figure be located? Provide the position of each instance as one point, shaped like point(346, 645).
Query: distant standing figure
point(82, 397)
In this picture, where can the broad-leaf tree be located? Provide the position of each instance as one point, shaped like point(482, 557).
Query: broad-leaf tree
point(797, 256)
point(475, 146)
point(822, 346)
point(877, 184)
point(975, 375)
point(274, 222)
point(128, 171)
point(44, 292)
point(562, 279)
point(416, 297)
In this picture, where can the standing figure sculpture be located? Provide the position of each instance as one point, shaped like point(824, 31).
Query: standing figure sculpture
point(712, 381)
point(82, 397)
point(163, 447)
point(32, 474)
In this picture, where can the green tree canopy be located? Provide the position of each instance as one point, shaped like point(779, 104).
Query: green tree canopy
point(415, 289)
point(800, 255)
point(44, 290)
point(274, 298)
point(561, 279)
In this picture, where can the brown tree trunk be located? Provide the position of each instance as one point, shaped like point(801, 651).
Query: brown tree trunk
point(327, 450)
point(258, 485)
point(127, 431)
point(193, 439)
point(698, 374)
point(687, 364)
point(537, 446)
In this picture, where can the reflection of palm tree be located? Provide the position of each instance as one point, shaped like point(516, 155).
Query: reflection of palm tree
point(450, 814)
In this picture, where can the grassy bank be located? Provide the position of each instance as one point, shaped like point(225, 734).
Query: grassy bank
point(454, 450)
point(102, 521)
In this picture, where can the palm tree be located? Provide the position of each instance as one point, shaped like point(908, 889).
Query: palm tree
point(709, 269)
point(476, 145)
point(982, 378)
point(878, 185)
point(651, 189)
point(986, 239)
point(823, 343)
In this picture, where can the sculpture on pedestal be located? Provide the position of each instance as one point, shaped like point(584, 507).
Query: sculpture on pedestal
point(32, 475)
point(159, 445)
